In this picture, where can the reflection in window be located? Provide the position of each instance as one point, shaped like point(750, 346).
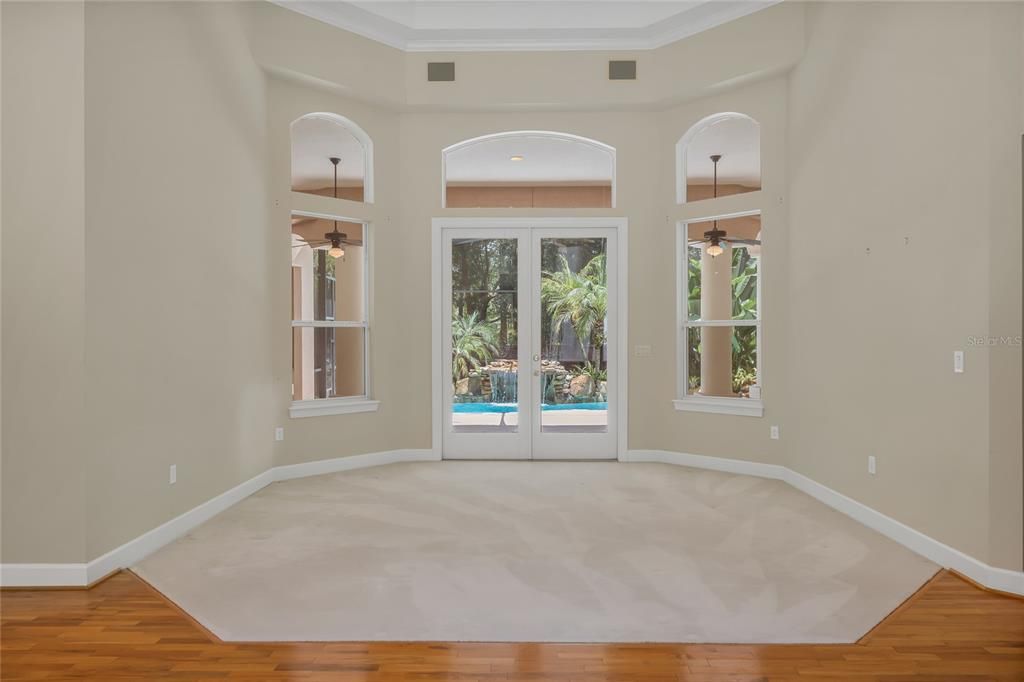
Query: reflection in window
point(736, 140)
point(529, 169)
point(316, 139)
point(722, 321)
point(328, 309)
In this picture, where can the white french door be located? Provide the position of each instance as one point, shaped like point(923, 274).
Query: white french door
point(529, 347)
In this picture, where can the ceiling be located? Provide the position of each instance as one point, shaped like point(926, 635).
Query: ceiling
point(545, 160)
point(503, 25)
point(314, 141)
point(738, 141)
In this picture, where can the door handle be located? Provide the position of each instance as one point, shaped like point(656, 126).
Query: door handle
point(536, 358)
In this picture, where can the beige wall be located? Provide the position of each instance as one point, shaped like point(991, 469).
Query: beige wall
point(187, 341)
point(179, 343)
point(43, 244)
point(897, 145)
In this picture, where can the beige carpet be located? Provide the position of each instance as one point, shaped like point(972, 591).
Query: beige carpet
point(525, 551)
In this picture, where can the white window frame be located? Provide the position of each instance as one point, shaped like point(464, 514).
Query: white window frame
point(751, 407)
point(347, 404)
point(361, 136)
point(512, 134)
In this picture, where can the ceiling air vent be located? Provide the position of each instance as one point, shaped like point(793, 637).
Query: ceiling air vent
point(622, 70)
point(440, 71)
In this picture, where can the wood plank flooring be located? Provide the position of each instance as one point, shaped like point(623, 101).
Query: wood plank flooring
point(122, 629)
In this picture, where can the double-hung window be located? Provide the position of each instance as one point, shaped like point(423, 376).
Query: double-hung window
point(329, 317)
point(720, 316)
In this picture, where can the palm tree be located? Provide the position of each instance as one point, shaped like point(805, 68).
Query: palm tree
point(579, 298)
point(473, 344)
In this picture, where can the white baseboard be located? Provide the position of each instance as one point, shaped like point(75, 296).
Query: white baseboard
point(994, 578)
point(77, 575)
point(133, 551)
point(732, 466)
point(330, 466)
point(43, 575)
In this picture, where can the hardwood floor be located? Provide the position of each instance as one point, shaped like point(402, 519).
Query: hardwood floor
point(122, 629)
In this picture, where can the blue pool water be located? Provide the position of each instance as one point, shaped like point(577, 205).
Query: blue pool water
point(497, 408)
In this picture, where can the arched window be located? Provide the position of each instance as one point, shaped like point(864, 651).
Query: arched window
point(330, 268)
point(528, 168)
point(319, 137)
point(719, 268)
point(736, 140)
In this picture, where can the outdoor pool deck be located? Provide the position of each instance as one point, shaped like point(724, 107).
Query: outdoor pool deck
point(554, 418)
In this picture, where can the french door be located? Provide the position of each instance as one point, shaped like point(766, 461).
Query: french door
point(529, 346)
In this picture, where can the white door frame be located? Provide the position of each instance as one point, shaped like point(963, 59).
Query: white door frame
point(620, 225)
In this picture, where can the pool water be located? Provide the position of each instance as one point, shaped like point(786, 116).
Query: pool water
point(497, 408)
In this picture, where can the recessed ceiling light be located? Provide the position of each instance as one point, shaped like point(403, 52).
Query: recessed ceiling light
point(516, 157)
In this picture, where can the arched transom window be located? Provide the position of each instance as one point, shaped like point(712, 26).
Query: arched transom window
point(529, 168)
point(732, 137)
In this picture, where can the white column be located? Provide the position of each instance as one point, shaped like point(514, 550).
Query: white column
point(716, 304)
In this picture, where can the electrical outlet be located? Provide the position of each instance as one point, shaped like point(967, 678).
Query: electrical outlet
point(642, 351)
point(172, 476)
point(871, 464)
point(774, 431)
point(279, 433)
point(958, 361)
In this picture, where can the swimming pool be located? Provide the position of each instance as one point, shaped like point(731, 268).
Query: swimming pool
point(498, 408)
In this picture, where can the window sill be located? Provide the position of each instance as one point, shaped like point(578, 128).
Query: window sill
point(745, 407)
point(329, 406)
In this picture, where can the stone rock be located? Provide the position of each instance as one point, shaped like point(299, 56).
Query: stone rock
point(462, 386)
point(581, 386)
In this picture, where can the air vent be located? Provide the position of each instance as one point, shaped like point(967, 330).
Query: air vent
point(622, 70)
point(440, 71)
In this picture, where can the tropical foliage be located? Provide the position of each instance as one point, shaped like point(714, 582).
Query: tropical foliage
point(744, 307)
point(581, 299)
point(474, 344)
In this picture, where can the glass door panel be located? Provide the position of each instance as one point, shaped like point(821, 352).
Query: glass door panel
point(529, 345)
point(574, 322)
point(484, 417)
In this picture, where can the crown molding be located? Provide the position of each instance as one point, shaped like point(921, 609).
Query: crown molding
point(695, 20)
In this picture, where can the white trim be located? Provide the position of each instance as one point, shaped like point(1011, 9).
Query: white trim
point(395, 34)
point(555, 135)
point(328, 406)
point(43, 575)
point(329, 466)
point(685, 401)
point(361, 136)
point(745, 407)
point(914, 540)
point(133, 551)
point(330, 324)
point(732, 466)
point(756, 322)
point(79, 575)
point(695, 130)
point(620, 224)
point(347, 404)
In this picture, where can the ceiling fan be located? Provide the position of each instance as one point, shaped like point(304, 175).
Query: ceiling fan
point(715, 237)
point(335, 238)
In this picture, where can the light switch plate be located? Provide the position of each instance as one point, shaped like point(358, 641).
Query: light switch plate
point(958, 361)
